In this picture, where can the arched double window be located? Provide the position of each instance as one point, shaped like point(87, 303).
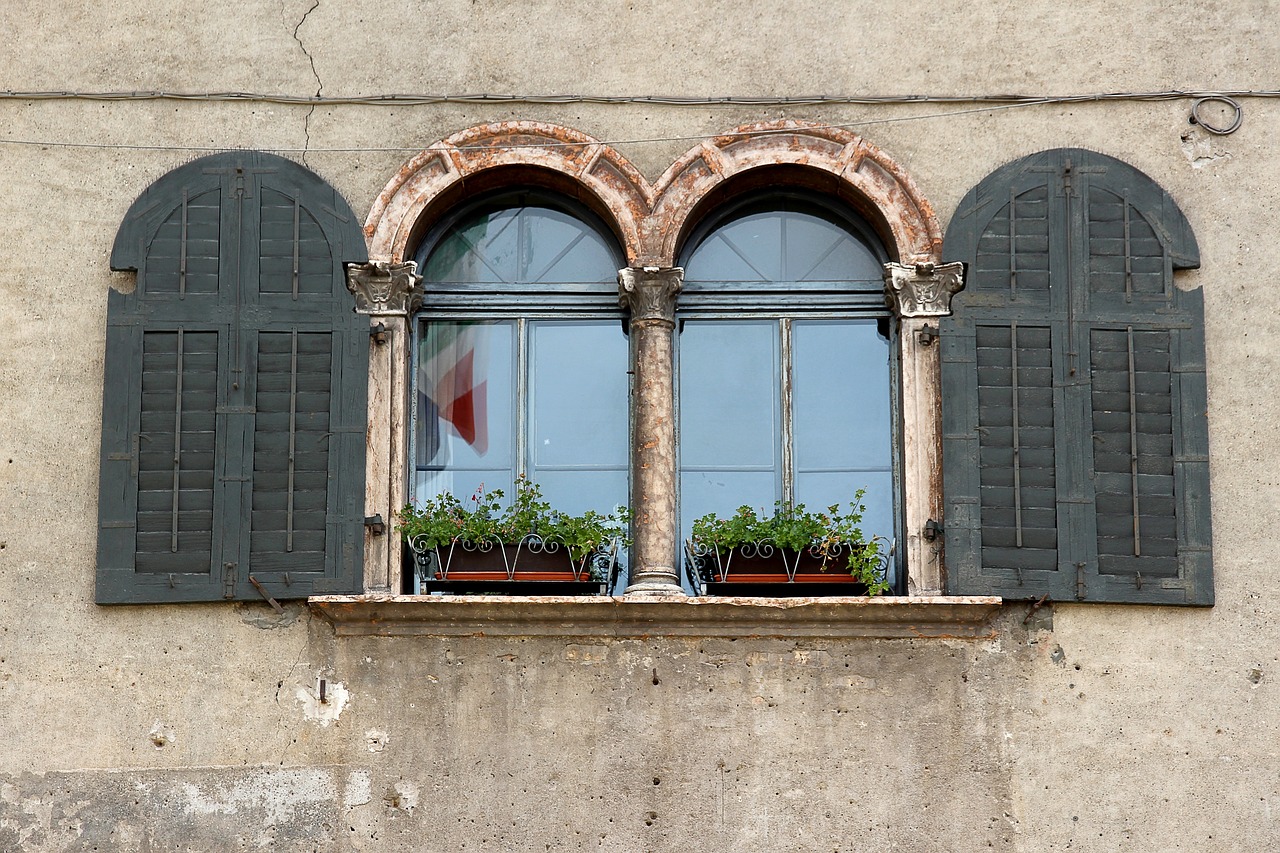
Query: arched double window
point(520, 361)
point(785, 367)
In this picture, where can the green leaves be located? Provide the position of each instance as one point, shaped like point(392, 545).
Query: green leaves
point(833, 535)
point(444, 519)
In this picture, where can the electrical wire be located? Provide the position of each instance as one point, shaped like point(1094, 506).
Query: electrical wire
point(997, 103)
point(658, 100)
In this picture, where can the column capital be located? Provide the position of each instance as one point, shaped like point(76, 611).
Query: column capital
point(385, 289)
point(649, 293)
point(922, 290)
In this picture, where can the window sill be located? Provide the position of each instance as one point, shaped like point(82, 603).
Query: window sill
point(965, 617)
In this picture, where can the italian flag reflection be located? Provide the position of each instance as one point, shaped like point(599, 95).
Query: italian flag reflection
point(452, 375)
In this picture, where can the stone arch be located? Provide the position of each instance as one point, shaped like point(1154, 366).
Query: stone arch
point(489, 156)
point(830, 160)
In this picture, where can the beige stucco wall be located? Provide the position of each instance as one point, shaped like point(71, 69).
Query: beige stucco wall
point(1095, 728)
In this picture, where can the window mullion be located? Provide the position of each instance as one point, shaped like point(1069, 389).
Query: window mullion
point(522, 401)
point(785, 413)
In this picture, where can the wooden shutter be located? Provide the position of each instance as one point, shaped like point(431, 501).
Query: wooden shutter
point(1075, 443)
point(234, 390)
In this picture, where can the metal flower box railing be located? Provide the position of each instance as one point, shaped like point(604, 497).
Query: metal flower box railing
point(764, 568)
point(535, 565)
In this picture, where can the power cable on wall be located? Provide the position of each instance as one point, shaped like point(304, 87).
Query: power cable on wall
point(999, 102)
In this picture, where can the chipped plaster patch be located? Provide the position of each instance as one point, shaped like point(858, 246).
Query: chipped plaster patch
point(162, 735)
point(328, 711)
point(403, 796)
point(274, 796)
point(359, 789)
point(1200, 150)
point(576, 653)
point(377, 740)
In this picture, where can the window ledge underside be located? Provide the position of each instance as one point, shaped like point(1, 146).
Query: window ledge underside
point(962, 617)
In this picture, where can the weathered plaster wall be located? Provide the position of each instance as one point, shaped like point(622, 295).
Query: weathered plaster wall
point(197, 727)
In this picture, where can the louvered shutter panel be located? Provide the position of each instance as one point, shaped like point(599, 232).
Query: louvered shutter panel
point(1075, 449)
point(234, 385)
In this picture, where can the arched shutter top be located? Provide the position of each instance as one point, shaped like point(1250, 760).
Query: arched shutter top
point(247, 171)
point(1028, 178)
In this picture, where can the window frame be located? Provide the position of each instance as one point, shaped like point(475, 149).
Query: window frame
point(651, 222)
point(574, 302)
point(833, 303)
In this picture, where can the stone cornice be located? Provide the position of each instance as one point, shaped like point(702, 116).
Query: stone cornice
point(964, 617)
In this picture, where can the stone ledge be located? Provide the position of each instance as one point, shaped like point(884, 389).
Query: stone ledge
point(963, 617)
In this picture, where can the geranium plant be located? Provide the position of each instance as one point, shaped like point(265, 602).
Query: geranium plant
point(833, 537)
point(482, 523)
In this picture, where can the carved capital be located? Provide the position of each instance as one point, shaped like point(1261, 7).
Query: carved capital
point(650, 292)
point(922, 290)
point(382, 288)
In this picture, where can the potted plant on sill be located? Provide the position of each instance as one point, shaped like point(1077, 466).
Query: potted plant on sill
point(487, 548)
point(817, 553)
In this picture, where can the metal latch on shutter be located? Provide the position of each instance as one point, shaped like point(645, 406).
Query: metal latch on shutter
point(228, 580)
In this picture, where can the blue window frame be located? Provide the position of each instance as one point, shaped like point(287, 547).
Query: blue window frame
point(787, 384)
point(520, 358)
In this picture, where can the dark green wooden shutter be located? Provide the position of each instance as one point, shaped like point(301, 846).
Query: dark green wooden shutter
point(234, 391)
point(1075, 445)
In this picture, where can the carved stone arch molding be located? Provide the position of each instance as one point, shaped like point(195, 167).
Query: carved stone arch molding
point(501, 155)
point(788, 153)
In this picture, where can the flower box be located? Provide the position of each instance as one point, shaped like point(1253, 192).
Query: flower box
point(791, 552)
point(525, 548)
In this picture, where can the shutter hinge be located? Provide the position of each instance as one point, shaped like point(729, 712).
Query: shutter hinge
point(228, 580)
point(927, 335)
point(932, 530)
point(375, 524)
point(1081, 592)
point(380, 334)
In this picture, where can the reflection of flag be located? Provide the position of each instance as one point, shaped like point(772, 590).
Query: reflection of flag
point(453, 376)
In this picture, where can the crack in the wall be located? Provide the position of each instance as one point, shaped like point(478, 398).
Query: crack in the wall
point(306, 122)
point(288, 678)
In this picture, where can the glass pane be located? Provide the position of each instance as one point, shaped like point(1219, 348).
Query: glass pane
point(840, 396)
point(821, 490)
point(729, 395)
point(575, 492)
point(783, 245)
point(560, 248)
point(746, 249)
point(522, 245)
point(578, 391)
point(463, 483)
point(481, 249)
point(722, 492)
point(465, 396)
point(818, 250)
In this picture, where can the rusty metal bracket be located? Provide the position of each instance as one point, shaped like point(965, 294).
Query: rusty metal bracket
point(927, 335)
point(932, 530)
point(1034, 607)
point(263, 592)
point(375, 524)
